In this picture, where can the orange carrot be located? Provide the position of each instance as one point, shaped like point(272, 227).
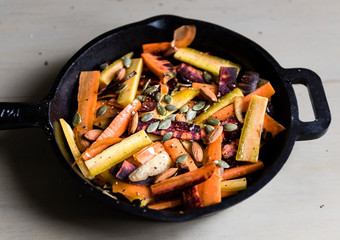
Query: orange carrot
point(147, 153)
point(87, 98)
point(210, 190)
point(164, 89)
point(99, 146)
point(265, 91)
point(229, 193)
point(165, 204)
point(242, 170)
point(120, 123)
point(183, 36)
point(132, 191)
point(175, 149)
point(158, 65)
point(271, 126)
point(158, 47)
point(211, 87)
point(175, 185)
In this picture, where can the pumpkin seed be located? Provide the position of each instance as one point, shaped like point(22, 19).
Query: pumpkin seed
point(151, 89)
point(229, 127)
point(182, 158)
point(158, 97)
point(206, 107)
point(170, 107)
point(127, 62)
point(101, 110)
point(167, 136)
point(141, 97)
point(222, 164)
point(172, 117)
point(170, 74)
point(165, 124)
point(76, 119)
point(120, 88)
point(103, 66)
point(167, 99)
point(184, 109)
point(147, 117)
point(209, 128)
point(184, 84)
point(207, 77)
point(199, 106)
point(160, 109)
point(152, 127)
point(213, 121)
point(146, 85)
point(191, 114)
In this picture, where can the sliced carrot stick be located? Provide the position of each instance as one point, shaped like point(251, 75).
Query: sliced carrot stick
point(271, 126)
point(249, 144)
point(165, 204)
point(158, 47)
point(210, 190)
point(87, 98)
point(175, 149)
point(147, 153)
point(99, 146)
point(175, 185)
point(265, 91)
point(120, 123)
point(211, 87)
point(229, 193)
point(242, 170)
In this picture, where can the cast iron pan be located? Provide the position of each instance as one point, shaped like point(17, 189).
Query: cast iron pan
point(61, 100)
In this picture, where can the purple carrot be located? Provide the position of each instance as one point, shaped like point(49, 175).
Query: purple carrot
point(248, 82)
point(227, 81)
point(189, 74)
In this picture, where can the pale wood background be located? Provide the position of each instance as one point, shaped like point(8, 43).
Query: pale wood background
point(38, 199)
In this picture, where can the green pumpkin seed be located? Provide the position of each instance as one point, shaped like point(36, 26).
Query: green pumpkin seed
point(170, 74)
point(127, 62)
point(199, 106)
point(184, 84)
point(147, 117)
point(151, 89)
point(76, 119)
point(104, 66)
point(160, 109)
point(207, 77)
point(146, 85)
point(120, 88)
point(182, 158)
point(152, 127)
point(229, 127)
point(158, 97)
point(206, 107)
point(165, 124)
point(167, 99)
point(209, 128)
point(191, 114)
point(184, 109)
point(222, 164)
point(170, 108)
point(141, 97)
point(213, 121)
point(167, 136)
point(101, 110)
point(172, 117)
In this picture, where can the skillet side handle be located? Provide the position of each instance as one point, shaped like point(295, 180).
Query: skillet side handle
point(15, 115)
point(318, 127)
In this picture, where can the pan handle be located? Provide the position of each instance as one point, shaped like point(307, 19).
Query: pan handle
point(22, 115)
point(318, 127)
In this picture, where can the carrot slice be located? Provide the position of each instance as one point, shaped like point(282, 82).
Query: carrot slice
point(210, 190)
point(158, 47)
point(99, 146)
point(177, 184)
point(242, 170)
point(175, 149)
point(87, 98)
point(165, 204)
point(147, 153)
point(183, 36)
point(271, 126)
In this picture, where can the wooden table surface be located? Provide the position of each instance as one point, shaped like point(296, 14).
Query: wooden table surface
point(39, 200)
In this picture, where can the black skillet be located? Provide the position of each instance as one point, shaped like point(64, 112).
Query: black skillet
point(61, 100)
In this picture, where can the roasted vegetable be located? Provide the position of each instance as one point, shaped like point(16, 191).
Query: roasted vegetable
point(227, 80)
point(189, 74)
point(248, 82)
